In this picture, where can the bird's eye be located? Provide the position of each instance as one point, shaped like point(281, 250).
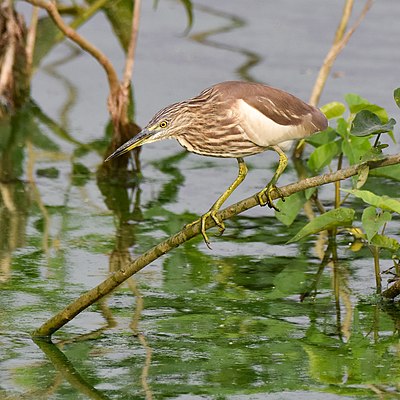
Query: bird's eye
point(163, 124)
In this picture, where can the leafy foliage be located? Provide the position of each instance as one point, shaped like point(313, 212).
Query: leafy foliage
point(367, 123)
point(352, 140)
point(329, 220)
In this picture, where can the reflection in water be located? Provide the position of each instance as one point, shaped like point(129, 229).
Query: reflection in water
point(139, 306)
point(20, 137)
point(13, 217)
point(15, 196)
point(235, 22)
point(68, 371)
point(211, 325)
point(70, 89)
point(230, 323)
point(124, 202)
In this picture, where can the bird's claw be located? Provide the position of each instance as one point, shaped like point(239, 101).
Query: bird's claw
point(267, 192)
point(218, 222)
point(203, 220)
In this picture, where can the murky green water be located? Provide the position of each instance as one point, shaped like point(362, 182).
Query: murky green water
point(197, 324)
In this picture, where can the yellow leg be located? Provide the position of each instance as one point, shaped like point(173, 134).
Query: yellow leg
point(217, 205)
point(283, 161)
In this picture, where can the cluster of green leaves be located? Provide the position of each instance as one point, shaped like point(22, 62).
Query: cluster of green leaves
point(352, 140)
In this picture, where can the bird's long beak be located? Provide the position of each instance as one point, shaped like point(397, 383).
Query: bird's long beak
point(141, 138)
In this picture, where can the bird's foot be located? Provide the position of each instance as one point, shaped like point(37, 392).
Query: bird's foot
point(203, 219)
point(221, 226)
point(267, 193)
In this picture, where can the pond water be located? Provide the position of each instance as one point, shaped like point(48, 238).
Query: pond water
point(253, 318)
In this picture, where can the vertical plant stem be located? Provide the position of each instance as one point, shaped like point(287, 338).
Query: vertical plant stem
point(336, 278)
point(31, 39)
point(7, 65)
point(121, 100)
point(142, 339)
point(336, 48)
point(378, 279)
point(87, 13)
point(130, 57)
point(340, 41)
point(376, 324)
point(341, 29)
point(332, 239)
point(337, 183)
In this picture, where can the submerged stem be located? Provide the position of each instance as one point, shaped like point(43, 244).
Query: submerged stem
point(378, 279)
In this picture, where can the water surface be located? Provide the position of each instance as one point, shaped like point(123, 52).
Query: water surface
point(196, 324)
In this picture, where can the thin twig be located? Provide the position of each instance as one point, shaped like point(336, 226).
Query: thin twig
point(88, 12)
point(31, 39)
point(340, 41)
point(9, 57)
point(118, 104)
point(341, 29)
point(335, 50)
point(187, 233)
point(130, 56)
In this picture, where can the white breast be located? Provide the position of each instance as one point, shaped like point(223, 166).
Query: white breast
point(262, 130)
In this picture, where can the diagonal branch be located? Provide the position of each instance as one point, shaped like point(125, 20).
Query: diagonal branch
point(187, 233)
point(339, 43)
point(341, 40)
point(346, 14)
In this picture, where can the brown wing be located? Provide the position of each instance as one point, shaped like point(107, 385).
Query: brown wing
point(277, 105)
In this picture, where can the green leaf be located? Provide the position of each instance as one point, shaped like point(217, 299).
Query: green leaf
point(355, 148)
point(374, 153)
point(119, 15)
point(334, 109)
point(331, 219)
point(323, 155)
point(48, 35)
point(383, 202)
point(357, 103)
point(385, 242)
point(289, 209)
point(362, 176)
point(326, 136)
point(396, 95)
point(367, 123)
point(372, 221)
point(342, 127)
point(391, 172)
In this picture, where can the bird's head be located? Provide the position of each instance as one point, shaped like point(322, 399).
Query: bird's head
point(167, 123)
